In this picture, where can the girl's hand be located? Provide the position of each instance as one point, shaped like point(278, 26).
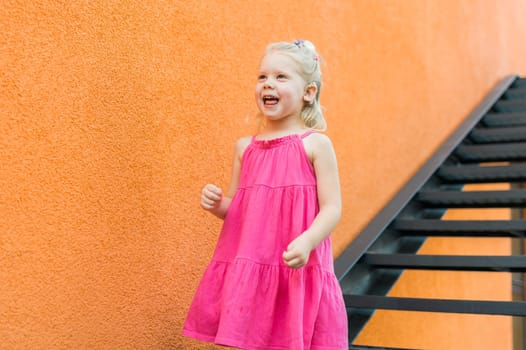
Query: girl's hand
point(297, 253)
point(211, 196)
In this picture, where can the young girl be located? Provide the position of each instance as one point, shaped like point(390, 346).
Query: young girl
point(270, 284)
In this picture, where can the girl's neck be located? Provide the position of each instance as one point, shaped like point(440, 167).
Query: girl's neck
point(290, 123)
point(278, 128)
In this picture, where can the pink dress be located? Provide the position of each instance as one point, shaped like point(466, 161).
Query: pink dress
point(248, 298)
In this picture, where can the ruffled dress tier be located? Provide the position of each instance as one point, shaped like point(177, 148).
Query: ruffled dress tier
point(248, 298)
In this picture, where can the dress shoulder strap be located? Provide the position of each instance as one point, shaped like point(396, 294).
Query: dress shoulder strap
point(308, 132)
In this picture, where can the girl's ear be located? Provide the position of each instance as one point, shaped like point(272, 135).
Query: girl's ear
point(310, 92)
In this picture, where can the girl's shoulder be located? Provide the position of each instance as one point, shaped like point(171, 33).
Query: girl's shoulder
point(318, 136)
point(318, 144)
point(241, 145)
point(318, 140)
point(244, 141)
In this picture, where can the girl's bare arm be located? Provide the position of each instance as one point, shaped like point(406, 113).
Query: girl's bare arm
point(329, 199)
point(212, 198)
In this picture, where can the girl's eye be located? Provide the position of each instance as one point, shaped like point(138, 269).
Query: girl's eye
point(281, 76)
point(261, 77)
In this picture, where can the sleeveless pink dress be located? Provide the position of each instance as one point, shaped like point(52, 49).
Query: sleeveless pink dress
point(248, 298)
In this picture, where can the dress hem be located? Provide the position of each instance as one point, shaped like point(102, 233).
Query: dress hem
point(233, 343)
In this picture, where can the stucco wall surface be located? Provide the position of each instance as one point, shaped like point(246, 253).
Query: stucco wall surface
point(115, 113)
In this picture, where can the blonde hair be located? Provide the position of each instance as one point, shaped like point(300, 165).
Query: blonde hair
point(304, 54)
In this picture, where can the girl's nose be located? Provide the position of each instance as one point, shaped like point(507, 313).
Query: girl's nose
point(268, 84)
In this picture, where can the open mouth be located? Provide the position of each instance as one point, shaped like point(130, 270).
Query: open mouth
point(269, 100)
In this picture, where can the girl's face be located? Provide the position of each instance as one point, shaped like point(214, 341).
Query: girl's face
point(280, 89)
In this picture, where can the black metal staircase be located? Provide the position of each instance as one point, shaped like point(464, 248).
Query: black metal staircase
point(489, 147)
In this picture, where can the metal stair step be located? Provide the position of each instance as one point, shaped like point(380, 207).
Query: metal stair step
point(473, 199)
point(516, 93)
point(494, 135)
point(492, 152)
point(504, 119)
point(518, 83)
point(446, 262)
point(508, 308)
point(510, 106)
point(464, 228)
point(482, 174)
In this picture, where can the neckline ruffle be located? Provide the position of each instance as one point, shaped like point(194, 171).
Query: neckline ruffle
point(275, 142)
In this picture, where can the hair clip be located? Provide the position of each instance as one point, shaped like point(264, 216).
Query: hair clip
point(299, 42)
point(316, 58)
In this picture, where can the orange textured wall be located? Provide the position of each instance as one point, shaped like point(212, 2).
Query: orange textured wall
point(114, 114)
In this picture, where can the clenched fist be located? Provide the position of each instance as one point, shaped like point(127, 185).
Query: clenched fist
point(297, 253)
point(211, 196)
